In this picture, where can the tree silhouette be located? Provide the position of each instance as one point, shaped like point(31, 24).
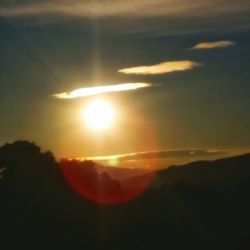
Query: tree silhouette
point(202, 205)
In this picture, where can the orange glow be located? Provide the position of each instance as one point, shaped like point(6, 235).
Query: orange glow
point(100, 188)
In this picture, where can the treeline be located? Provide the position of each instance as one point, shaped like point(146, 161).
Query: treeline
point(41, 209)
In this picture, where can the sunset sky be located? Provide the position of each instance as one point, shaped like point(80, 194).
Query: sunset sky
point(176, 73)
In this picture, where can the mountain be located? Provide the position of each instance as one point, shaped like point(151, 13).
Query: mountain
point(223, 171)
point(120, 173)
point(227, 171)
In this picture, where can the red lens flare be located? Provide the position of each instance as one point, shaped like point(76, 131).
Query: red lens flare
point(101, 188)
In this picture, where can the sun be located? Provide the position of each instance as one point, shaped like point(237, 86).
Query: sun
point(99, 115)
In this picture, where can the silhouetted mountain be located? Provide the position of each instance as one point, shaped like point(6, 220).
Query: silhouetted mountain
point(228, 171)
point(121, 173)
point(202, 205)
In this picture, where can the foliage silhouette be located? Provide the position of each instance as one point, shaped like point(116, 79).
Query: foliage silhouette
point(181, 210)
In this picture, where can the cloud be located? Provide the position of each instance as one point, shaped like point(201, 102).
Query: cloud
point(164, 158)
point(162, 68)
point(90, 91)
point(140, 16)
point(163, 154)
point(213, 45)
point(115, 8)
point(171, 154)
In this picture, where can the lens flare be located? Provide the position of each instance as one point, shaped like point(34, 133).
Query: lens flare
point(101, 187)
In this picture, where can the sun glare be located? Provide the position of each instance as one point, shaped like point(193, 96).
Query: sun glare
point(99, 115)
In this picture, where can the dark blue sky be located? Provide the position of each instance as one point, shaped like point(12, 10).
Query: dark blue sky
point(46, 51)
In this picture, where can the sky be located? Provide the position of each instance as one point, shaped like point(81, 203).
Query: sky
point(187, 63)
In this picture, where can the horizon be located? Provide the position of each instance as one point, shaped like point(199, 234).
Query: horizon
point(105, 79)
point(159, 159)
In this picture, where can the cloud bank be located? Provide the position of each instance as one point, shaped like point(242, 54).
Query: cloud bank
point(162, 68)
point(90, 91)
point(114, 8)
point(141, 16)
point(213, 45)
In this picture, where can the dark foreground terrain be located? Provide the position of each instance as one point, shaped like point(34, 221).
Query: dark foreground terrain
point(202, 205)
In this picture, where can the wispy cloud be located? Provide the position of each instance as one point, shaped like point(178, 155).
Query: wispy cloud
point(185, 153)
point(163, 158)
point(213, 45)
point(161, 68)
point(90, 91)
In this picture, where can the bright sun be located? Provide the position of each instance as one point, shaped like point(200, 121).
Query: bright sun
point(99, 115)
